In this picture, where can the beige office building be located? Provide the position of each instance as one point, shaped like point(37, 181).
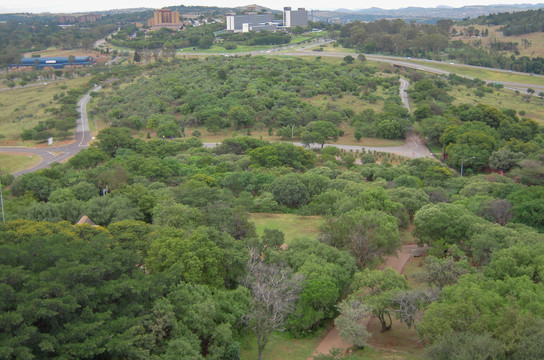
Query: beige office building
point(164, 18)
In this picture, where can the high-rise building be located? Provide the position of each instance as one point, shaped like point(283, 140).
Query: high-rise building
point(292, 18)
point(89, 18)
point(164, 18)
point(235, 23)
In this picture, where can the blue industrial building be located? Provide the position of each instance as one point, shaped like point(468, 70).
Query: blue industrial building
point(55, 62)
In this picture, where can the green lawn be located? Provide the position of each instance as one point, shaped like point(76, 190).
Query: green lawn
point(280, 346)
point(435, 149)
point(23, 108)
point(12, 163)
point(293, 226)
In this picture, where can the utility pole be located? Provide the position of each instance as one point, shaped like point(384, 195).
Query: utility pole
point(2, 202)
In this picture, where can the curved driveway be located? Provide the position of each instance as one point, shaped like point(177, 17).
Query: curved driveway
point(58, 154)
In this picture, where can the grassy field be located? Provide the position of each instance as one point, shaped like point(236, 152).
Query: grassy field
point(503, 99)
point(348, 101)
point(534, 48)
point(12, 163)
point(484, 74)
point(280, 346)
point(331, 48)
point(293, 226)
point(414, 271)
point(23, 108)
point(217, 48)
point(51, 52)
point(347, 139)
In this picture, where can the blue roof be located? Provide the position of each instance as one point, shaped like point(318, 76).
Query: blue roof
point(55, 62)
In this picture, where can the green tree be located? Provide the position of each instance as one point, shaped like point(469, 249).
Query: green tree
point(205, 42)
point(327, 272)
point(168, 129)
point(290, 191)
point(528, 206)
point(87, 158)
point(466, 346)
point(84, 266)
point(368, 235)
point(443, 223)
point(412, 199)
point(443, 272)
point(529, 345)
point(378, 290)
point(505, 159)
point(319, 132)
point(349, 59)
point(241, 116)
point(111, 139)
point(40, 185)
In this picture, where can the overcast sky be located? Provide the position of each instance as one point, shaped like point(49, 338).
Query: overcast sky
point(37, 6)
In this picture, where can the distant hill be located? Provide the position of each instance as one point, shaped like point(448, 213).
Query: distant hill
point(420, 14)
point(207, 10)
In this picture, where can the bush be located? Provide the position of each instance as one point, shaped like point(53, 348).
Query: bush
point(466, 346)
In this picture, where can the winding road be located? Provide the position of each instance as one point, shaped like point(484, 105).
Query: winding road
point(53, 154)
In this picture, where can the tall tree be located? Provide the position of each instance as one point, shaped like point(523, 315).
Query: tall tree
point(274, 292)
point(319, 132)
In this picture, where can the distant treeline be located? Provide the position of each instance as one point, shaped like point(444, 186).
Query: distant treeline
point(516, 23)
point(399, 38)
point(19, 37)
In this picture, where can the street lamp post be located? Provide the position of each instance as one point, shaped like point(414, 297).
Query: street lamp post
point(463, 163)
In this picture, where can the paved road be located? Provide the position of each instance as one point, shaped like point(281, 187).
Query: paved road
point(30, 85)
point(53, 154)
point(412, 148)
